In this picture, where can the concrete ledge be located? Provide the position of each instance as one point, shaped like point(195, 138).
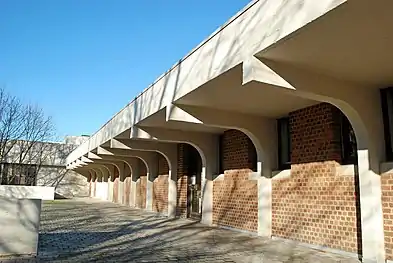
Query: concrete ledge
point(386, 168)
point(283, 174)
point(346, 170)
point(22, 219)
point(27, 192)
point(219, 177)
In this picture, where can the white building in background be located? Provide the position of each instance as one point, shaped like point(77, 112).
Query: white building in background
point(45, 166)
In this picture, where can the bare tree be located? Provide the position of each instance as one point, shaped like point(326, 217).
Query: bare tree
point(24, 131)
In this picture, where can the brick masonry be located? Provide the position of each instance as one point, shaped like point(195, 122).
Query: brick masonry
point(235, 199)
point(387, 204)
point(316, 205)
point(116, 185)
point(126, 184)
point(127, 190)
point(182, 180)
point(141, 186)
point(160, 186)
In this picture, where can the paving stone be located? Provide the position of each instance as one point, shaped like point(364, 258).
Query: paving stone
point(87, 230)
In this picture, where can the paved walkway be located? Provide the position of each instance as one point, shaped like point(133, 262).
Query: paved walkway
point(92, 231)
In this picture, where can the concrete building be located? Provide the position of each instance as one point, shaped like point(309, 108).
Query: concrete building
point(280, 124)
point(43, 165)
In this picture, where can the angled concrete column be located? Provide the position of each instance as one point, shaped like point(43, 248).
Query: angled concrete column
point(169, 151)
point(150, 160)
point(207, 146)
point(361, 105)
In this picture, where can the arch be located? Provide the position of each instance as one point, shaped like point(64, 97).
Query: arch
point(245, 146)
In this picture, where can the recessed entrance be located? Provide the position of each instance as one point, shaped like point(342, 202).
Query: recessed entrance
point(194, 195)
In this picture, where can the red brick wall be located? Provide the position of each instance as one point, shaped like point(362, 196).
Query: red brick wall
point(94, 184)
point(235, 199)
point(160, 186)
point(141, 186)
point(126, 185)
point(116, 186)
point(316, 205)
point(182, 180)
point(90, 184)
point(127, 190)
point(387, 205)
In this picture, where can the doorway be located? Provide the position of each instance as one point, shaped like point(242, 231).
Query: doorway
point(194, 194)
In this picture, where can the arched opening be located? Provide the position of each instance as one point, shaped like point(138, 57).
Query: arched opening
point(160, 185)
point(319, 202)
point(237, 152)
point(189, 181)
point(235, 196)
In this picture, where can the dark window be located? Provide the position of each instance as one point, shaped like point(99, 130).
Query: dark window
point(221, 153)
point(284, 143)
point(387, 114)
point(348, 142)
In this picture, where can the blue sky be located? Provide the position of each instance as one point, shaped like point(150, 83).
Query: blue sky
point(84, 60)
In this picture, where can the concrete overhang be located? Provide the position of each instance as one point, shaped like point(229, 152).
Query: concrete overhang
point(258, 26)
point(351, 43)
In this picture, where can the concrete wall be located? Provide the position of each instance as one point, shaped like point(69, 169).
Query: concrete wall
point(31, 192)
point(20, 219)
point(67, 183)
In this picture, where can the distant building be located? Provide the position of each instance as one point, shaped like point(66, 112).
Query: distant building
point(44, 165)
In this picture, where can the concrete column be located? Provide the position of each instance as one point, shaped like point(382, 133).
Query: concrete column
point(110, 183)
point(152, 164)
point(265, 207)
point(134, 179)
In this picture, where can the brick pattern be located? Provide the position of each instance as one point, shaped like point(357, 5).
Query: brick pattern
point(116, 185)
point(387, 205)
point(182, 180)
point(235, 199)
point(315, 134)
point(126, 184)
point(316, 205)
point(116, 190)
point(127, 190)
point(141, 186)
point(160, 186)
point(89, 179)
point(95, 185)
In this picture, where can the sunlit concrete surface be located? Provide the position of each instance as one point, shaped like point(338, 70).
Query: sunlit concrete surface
point(88, 230)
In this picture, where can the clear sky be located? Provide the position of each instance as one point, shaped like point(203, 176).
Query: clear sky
point(84, 60)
